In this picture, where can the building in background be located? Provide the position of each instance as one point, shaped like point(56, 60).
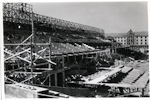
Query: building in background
point(134, 40)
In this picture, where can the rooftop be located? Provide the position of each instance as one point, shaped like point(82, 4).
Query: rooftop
point(141, 33)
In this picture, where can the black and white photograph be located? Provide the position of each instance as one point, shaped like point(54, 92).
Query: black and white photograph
point(75, 49)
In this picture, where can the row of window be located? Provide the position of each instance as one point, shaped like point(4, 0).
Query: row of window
point(139, 40)
point(141, 37)
point(137, 37)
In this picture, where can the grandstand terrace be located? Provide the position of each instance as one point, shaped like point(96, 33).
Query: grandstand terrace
point(17, 19)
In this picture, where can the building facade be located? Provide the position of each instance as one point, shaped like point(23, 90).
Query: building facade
point(134, 40)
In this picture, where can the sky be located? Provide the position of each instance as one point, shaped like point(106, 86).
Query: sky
point(113, 17)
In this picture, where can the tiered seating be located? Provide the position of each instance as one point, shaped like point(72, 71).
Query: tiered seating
point(95, 75)
point(57, 48)
point(62, 48)
point(142, 81)
point(70, 47)
point(14, 37)
point(88, 46)
point(132, 76)
point(126, 69)
point(105, 76)
point(81, 47)
point(43, 37)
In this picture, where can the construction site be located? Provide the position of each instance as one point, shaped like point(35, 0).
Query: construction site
point(46, 57)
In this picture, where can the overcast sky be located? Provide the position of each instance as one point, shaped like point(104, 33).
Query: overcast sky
point(112, 17)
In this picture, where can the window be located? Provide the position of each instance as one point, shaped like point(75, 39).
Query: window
point(145, 38)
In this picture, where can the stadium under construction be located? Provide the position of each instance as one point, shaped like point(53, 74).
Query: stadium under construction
point(46, 57)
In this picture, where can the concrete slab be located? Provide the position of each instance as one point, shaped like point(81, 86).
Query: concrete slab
point(23, 91)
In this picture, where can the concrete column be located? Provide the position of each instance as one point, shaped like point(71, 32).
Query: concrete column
point(87, 55)
point(49, 80)
point(55, 79)
point(130, 90)
point(63, 63)
point(67, 57)
point(82, 57)
point(143, 90)
point(75, 59)
point(63, 75)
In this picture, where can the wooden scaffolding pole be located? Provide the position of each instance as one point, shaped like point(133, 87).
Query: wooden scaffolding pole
point(32, 47)
point(49, 60)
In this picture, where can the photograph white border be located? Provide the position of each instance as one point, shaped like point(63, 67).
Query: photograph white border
point(1, 42)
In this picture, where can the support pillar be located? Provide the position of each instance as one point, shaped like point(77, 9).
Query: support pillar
point(75, 59)
point(49, 80)
point(63, 73)
point(63, 76)
point(82, 57)
point(55, 79)
point(96, 55)
point(50, 52)
point(129, 90)
point(143, 90)
point(50, 60)
point(86, 55)
point(63, 62)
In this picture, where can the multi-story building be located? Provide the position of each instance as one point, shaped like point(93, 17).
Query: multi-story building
point(134, 40)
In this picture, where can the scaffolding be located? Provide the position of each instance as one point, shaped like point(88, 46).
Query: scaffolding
point(28, 17)
point(22, 13)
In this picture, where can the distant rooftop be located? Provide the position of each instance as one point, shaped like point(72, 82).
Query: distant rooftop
point(141, 33)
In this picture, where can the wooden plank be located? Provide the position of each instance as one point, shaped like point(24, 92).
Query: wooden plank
point(26, 44)
point(24, 41)
point(42, 58)
point(42, 68)
point(14, 55)
point(19, 72)
point(18, 57)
